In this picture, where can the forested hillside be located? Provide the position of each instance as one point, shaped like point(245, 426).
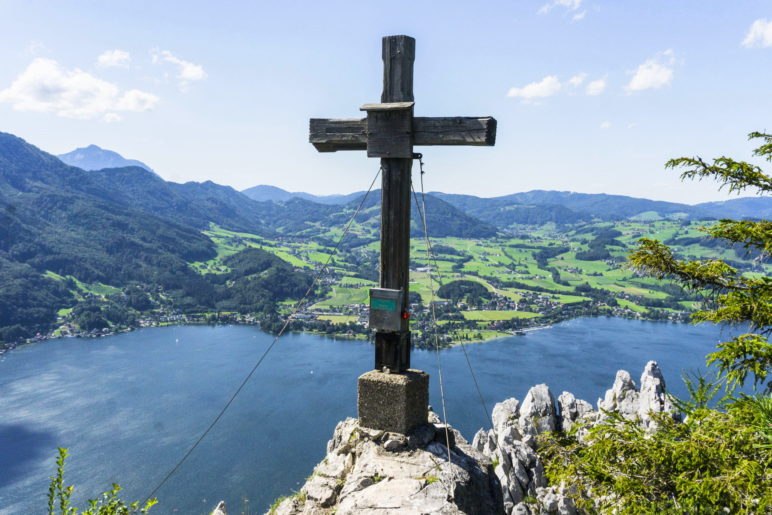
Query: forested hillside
point(71, 238)
point(65, 231)
point(102, 250)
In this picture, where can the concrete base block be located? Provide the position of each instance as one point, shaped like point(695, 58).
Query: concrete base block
point(393, 402)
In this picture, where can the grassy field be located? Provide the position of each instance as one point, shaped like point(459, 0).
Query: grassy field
point(338, 319)
point(477, 335)
point(497, 315)
point(505, 266)
point(342, 296)
point(98, 289)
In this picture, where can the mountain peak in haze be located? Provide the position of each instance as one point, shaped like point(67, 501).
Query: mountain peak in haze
point(93, 157)
point(264, 192)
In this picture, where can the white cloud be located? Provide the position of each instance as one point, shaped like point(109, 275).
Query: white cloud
point(596, 87)
point(186, 71)
point(114, 58)
point(551, 85)
point(579, 16)
point(577, 79)
point(571, 5)
point(605, 125)
point(759, 35)
point(136, 100)
point(654, 73)
point(45, 86)
point(112, 117)
point(546, 87)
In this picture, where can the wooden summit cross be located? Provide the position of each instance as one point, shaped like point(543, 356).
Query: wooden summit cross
point(397, 401)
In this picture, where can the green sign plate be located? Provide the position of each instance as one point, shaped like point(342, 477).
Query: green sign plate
point(384, 304)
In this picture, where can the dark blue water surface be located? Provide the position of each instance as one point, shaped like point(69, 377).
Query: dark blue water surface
point(129, 406)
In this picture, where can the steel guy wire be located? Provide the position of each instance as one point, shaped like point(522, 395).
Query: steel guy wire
point(298, 305)
point(433, 259)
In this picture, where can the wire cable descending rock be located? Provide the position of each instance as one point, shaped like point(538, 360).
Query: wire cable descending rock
point(295, 311)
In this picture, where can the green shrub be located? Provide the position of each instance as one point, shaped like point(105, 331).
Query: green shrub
point(713, 460)
point(106, 504)
point(717, 459)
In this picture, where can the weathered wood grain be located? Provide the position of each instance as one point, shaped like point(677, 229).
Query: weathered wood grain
point(390, 131)
point(398, 57)
point(390, 134)
point(329, 135)
point(454, 130)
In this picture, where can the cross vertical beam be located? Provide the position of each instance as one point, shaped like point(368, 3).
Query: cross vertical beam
point(392, 350)
point(395, 401)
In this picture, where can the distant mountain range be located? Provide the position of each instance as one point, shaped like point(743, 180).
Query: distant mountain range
point(265, 193)
point(93, 157)
point(563, 207)
point(505, 212)
point(127, 226)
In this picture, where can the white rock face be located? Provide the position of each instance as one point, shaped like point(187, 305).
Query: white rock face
point(573, 411)
point(622, 397)
point(537, 414)
point(504, 412)
point(511, 446)
point(372, 472)
point(512, 443)
point(634, 404)
point(653, 398)
point(555, 500)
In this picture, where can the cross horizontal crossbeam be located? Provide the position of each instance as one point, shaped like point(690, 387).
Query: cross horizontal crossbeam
point(331, 135)
point(390, 132)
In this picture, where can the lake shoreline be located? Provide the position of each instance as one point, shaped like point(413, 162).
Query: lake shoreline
point(250, 320)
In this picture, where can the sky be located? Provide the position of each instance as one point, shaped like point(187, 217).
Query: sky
point(590, 96)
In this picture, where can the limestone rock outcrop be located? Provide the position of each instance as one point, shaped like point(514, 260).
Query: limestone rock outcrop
point(373, 472)
point(624, 398)
point(511, 444)
point(573, 411)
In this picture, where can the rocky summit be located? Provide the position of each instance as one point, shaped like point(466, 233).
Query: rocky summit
point(430, 470)
point(434, 469)
point(512, 445)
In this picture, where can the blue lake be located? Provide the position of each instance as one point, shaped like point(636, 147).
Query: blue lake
point(129, 406)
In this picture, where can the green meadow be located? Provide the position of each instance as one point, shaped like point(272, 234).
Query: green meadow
point(536, 274)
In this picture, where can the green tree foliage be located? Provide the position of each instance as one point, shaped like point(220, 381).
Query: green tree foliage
point(470, 291)
point(715, 460)
point(256, 281)
point(546, 253)
point(107, 503)
point(738, 298)
point(596, 248)
point(442, 218)
point(28, 300)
